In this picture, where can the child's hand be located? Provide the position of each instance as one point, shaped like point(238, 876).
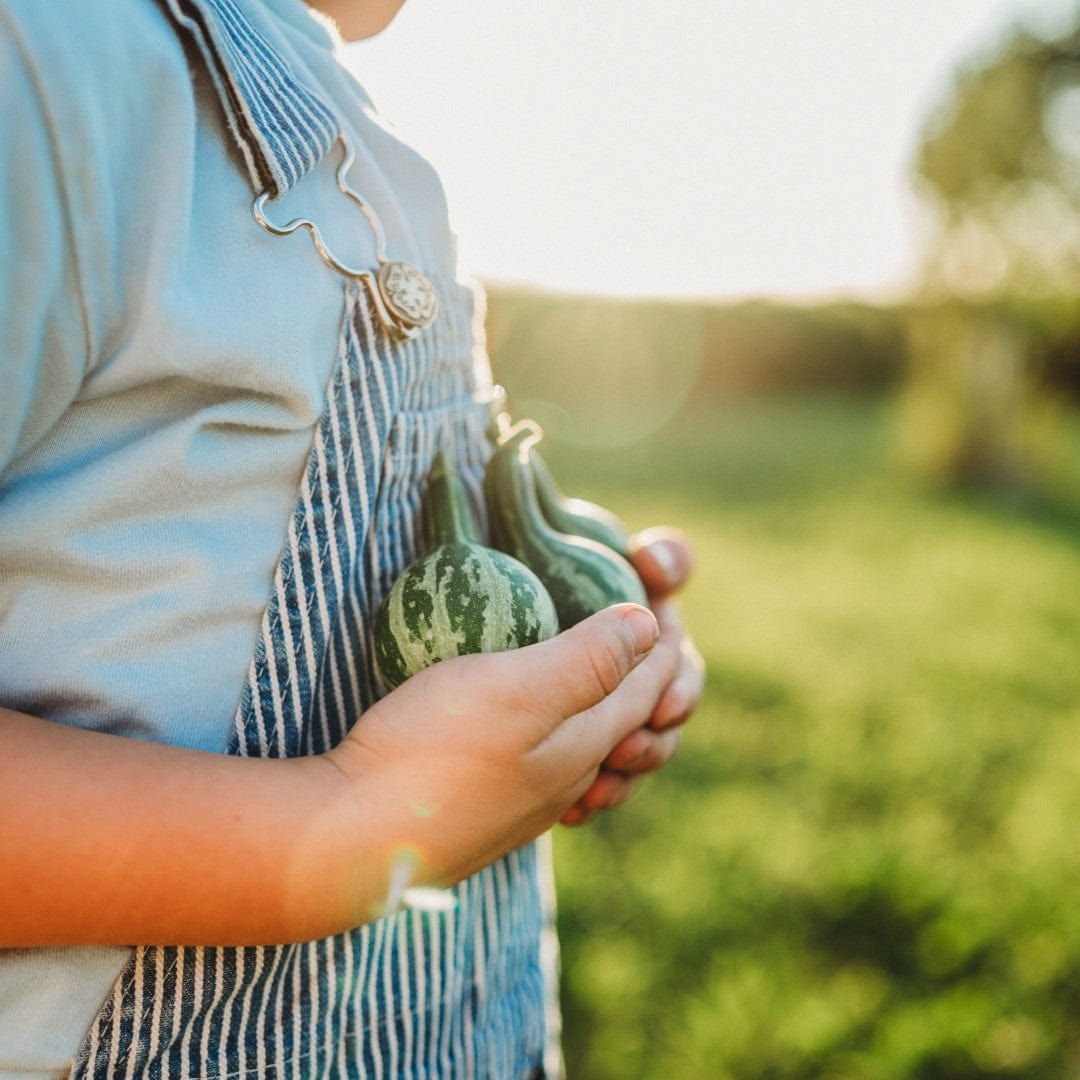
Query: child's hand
point(477, 755)
point(108, 840)
point(464, 762)
point(663, 559)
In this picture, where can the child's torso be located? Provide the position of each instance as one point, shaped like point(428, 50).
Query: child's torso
point(237, 441)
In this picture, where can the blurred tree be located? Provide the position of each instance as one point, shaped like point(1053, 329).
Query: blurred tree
point(999, 163)
point(999, 167)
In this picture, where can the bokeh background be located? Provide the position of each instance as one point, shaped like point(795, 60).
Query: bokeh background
point(804, 279)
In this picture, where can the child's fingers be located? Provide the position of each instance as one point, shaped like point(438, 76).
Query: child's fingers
point(644, 751)
point(580, 668)
point(682, 697)
point(641, 752)
point(606, 792)
point(590, 736)
point(663, 559)
point(576, 815)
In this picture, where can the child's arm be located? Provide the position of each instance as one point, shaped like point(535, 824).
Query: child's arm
point(111, 840)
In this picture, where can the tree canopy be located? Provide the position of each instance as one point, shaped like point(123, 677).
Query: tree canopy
point(999, 162)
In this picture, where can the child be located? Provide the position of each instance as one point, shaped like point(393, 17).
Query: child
point(213, 437)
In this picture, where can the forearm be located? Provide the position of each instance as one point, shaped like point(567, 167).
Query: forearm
point(112, 840)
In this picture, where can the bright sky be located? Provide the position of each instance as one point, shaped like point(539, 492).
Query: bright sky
point(712, 148)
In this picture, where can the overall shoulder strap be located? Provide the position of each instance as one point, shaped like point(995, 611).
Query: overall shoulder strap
point(283, 127)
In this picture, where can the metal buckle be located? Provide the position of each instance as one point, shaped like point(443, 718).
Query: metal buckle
point(402, 294)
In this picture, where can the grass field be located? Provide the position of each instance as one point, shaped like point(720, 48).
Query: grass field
point(864, 861)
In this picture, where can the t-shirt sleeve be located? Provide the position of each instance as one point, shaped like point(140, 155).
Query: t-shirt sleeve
point(43, 339)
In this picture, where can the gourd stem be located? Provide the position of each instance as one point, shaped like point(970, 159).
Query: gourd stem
point(519, 469)
point(448, 516)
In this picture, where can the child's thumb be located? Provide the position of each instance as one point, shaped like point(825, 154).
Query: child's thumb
point(583, 665)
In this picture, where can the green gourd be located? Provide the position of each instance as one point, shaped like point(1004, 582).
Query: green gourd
point(461, 597)
point(577, 517)
point(581, 575)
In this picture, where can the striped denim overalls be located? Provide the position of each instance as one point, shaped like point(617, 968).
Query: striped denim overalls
point(449, 993)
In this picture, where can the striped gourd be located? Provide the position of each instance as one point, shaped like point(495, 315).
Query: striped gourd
point(581, 575)
point(577, 517)
point(461, 597)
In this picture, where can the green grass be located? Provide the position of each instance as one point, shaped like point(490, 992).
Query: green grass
point(863, 863)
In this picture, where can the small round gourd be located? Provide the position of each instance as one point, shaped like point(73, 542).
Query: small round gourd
point(461, 597)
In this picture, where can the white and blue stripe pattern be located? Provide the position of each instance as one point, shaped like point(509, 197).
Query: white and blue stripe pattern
point(282, 127)
point(457, 993)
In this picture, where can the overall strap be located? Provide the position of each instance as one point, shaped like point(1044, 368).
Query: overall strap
point(283, 127)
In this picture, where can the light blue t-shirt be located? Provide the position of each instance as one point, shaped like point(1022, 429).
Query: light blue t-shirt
point(164, 362)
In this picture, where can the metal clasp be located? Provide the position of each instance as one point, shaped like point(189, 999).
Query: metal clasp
point(402, 294)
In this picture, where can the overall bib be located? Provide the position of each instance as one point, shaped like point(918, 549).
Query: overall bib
point(465, 992)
